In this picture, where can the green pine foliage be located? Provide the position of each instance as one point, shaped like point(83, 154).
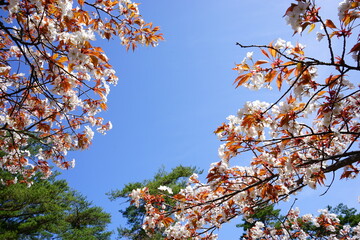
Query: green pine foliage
point(346, 215)
point(49, 209)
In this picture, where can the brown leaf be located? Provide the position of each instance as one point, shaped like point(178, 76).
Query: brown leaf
point(321, 93)
point(265, 53)
point(288, 63)
point(279, 81)
point(272, 52)
point(331, 80)
point(260, 62)
point(355, 48)
point(242, 79)
point(103, 106)
point(329, 23)
point(270, 75)
point(63, 59)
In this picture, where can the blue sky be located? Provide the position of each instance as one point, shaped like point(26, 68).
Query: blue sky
point(171, 98)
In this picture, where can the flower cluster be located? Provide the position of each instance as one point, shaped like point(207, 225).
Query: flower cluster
point(53, 81)
point(305, 227)
point(348, 9)
point(296, 13)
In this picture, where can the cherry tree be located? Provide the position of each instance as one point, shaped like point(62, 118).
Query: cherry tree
point(305, 137)
point(54, 81)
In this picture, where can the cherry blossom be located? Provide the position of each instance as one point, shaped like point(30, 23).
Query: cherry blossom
point(54, 81)
point(309, 132)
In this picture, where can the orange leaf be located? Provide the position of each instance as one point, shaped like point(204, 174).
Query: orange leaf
point(279, 81)
point(329, 23)
point(347, 19)
point(260, 62)
point(94, 60)
point(245, 67)
point(98, 49)
point(180, 197)
point(270, 75)
point(63, 59)
point(331, 80)
point(306, 77)
point(346, 174)
point(287, 72)
point(107, 35)
point(333, 34)
point(355, 4)
point(220, 129)
point(291, 99)
point(355, 48)
point(272, 52)
point(242, 79)
point(103, 106)
point(248, 120)
point(167, 221)
point(71, 67)
point(265, 53)
point(321, 93)
point(288, 63)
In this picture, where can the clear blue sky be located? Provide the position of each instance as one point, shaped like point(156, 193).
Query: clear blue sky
point(171, 98)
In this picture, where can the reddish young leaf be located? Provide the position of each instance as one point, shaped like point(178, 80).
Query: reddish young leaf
point(329, 23)
point(355, 48)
